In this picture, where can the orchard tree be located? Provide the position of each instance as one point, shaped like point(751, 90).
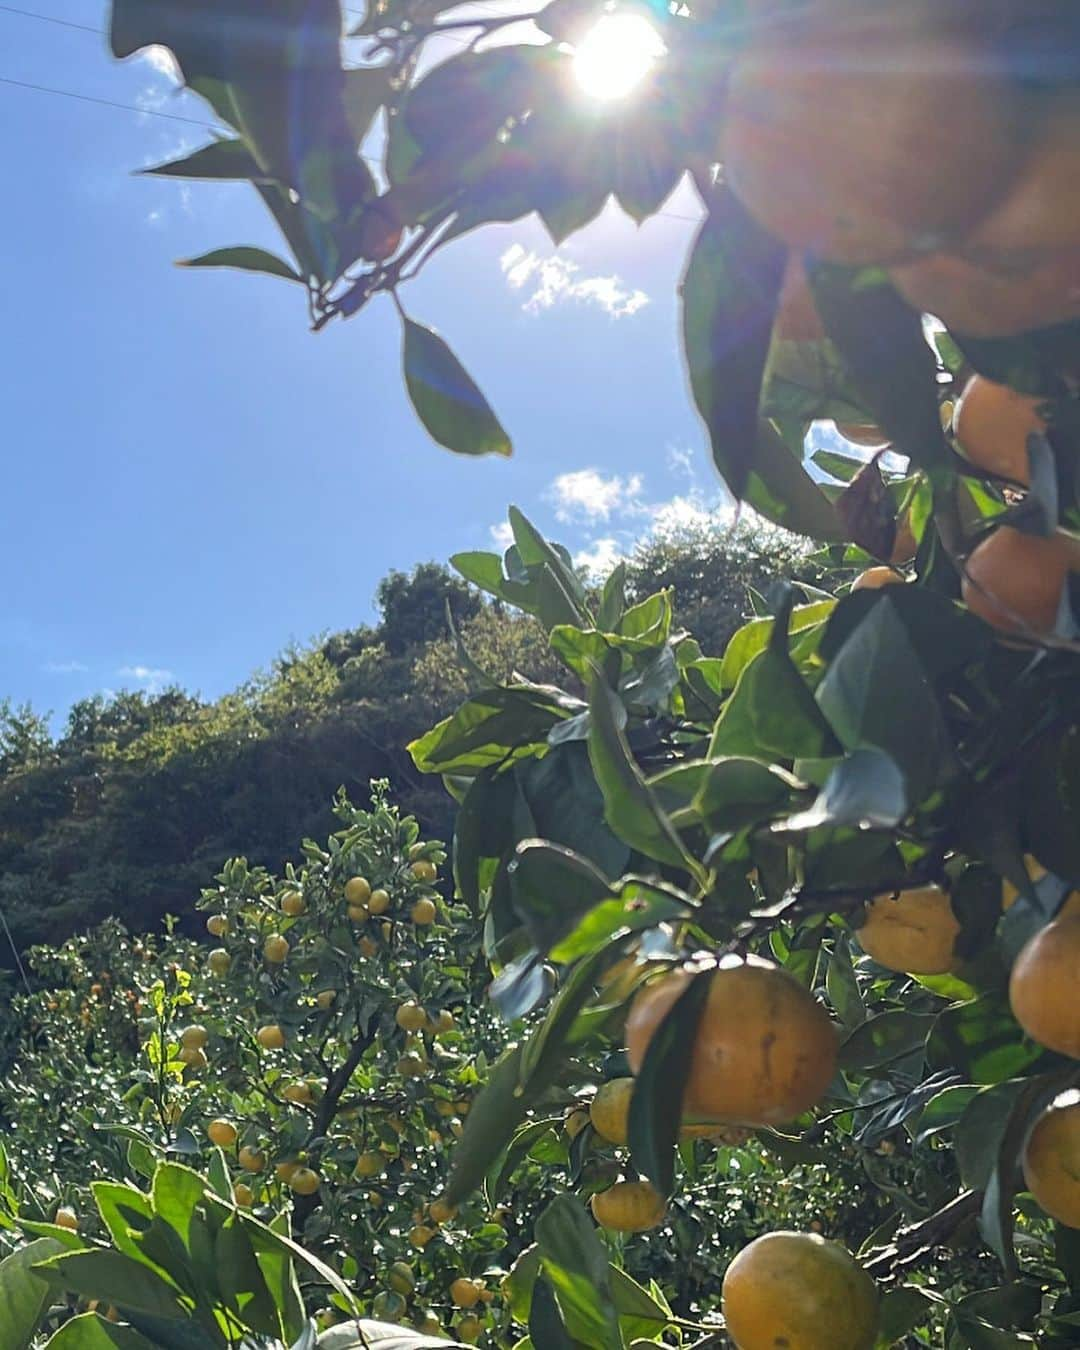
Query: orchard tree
point(821, 886)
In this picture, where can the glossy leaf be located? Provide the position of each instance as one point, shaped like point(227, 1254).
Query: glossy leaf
point(447, 400)
point(221, 159)
point(24, 1294)
point(865, 790)
point(246, 259)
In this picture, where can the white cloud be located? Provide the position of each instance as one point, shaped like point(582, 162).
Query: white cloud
point(686, 511)
point(162, 60)
point(152, 677)
point(585, 494)
point(599, 557)
point(502, 536)
point(64, 668)
point(555, 279)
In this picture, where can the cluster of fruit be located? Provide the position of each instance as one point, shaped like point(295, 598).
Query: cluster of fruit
point(940, 142)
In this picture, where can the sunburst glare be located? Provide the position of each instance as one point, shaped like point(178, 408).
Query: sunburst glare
point(616, 54)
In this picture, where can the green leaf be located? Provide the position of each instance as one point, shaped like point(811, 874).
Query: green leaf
point(575, 1261)
point(241, 1281)
point(842, 986)
point(552, 887)
point(126, 1212)
point(736, 792)
point(176, 1192)
point(980, 1130)
point(943, 1111)
point(612, 599)
point(981, 1041)
point(450, 405)
point(630, 807)
point(884, 1038)
point(223, 159)
point(88, 1331)
point(881, 340)
point(115, 1278)
point(902, 1310)
point(495, 727)
point(546, 1325)
point(656, 1105)
point(876, 693)
point(865, 790)
point(753, 637)
point(247, 259)
point(364, 1334)
point(640, 905)
point(24, 1294)
point(482, 569)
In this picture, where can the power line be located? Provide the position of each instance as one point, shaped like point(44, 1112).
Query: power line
point(108, 103)
point(50, 18)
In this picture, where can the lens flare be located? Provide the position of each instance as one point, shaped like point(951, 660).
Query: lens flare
point(616, 54)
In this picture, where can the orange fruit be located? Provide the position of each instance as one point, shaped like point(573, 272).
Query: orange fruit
point(465, 1293)
point(575, 1122)
point(194, 1037)
point(912, 931)
point(441, 1212)
point(982, 302)
point(221, 1132)
point(357, 891)
point(275, 949)
point(326, 999)
point(1038, 213)
point(875, 577)
point(369, 1164)
point(444, 1023)
point(1015, 581)
point(765, 1050)
point(799, 1291)
point(304, 1181)
point(285, 1170)
point(379, 901)
point(424, 870)
point(298, 1092)
point(66, 1218)
point(1042, 986)
point(1051, 1159)
point(217, 925)
point(357, 913)
point(420, 1235)
point(423, 912)
point(862, 174)
point(292, 903)
point(629, 1207)
point(864, 434)
point(270, 1037)
point(1009, 893)
point(243, 1195)
point(251, 1159)
point(411, 1017)
point(609, 1110)
point(992, 423)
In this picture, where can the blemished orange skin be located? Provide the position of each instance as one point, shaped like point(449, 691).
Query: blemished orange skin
point(992, 423)
point(629, 1207)
point(765, 1050)
point(982, 302)
point(1015, 581)
point(875, 577)
point(832, 132)
point(914, 931)
point(799, 1291)
point(1051, 1160)
point(1042, 986)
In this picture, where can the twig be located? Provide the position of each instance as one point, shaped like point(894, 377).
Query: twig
point(911, 1243)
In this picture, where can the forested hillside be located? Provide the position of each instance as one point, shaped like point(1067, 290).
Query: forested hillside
point(137, 802)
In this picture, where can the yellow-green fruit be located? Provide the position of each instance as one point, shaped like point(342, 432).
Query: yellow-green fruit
point(444, 1023)
point(270, 1037)
point(285, 1170)
point(441, 1212)
point(1052, 1160)
point(609, 1110)
point(575, 1122)
point(800, 1291)
point(194, 1037)
point(193, 1057)
point(326, 999)
point(423, 912)
point(298, 1092)
point(357, 891)
point(428, 1324)
point(400, 1278)
point(412, 1066)
point(424, 871)
point(375, 1200)
point(66, 1218)
point(420, 1236)
point(465, 1292)
point(369, 1164)
point(411, 1017)
point(243, 1195)
point(468, 1328)
point(304, 1181)
point(222, 1133)
point(387, 1306)
point(275, 949)
point(913, 931)
point(356, 913)
point(379, 902)
point(292, 903)
point(219, 961)
point(251, 1159)
point(629, 1207)
point(217, 925)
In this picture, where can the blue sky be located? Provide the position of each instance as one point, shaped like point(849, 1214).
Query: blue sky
point(194, 480)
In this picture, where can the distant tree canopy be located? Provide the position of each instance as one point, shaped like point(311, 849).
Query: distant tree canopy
point(142, 796)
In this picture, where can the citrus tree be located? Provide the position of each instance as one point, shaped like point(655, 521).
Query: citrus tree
point(819, 887)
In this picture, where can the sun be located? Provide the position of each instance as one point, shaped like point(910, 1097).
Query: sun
point(616, 54)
